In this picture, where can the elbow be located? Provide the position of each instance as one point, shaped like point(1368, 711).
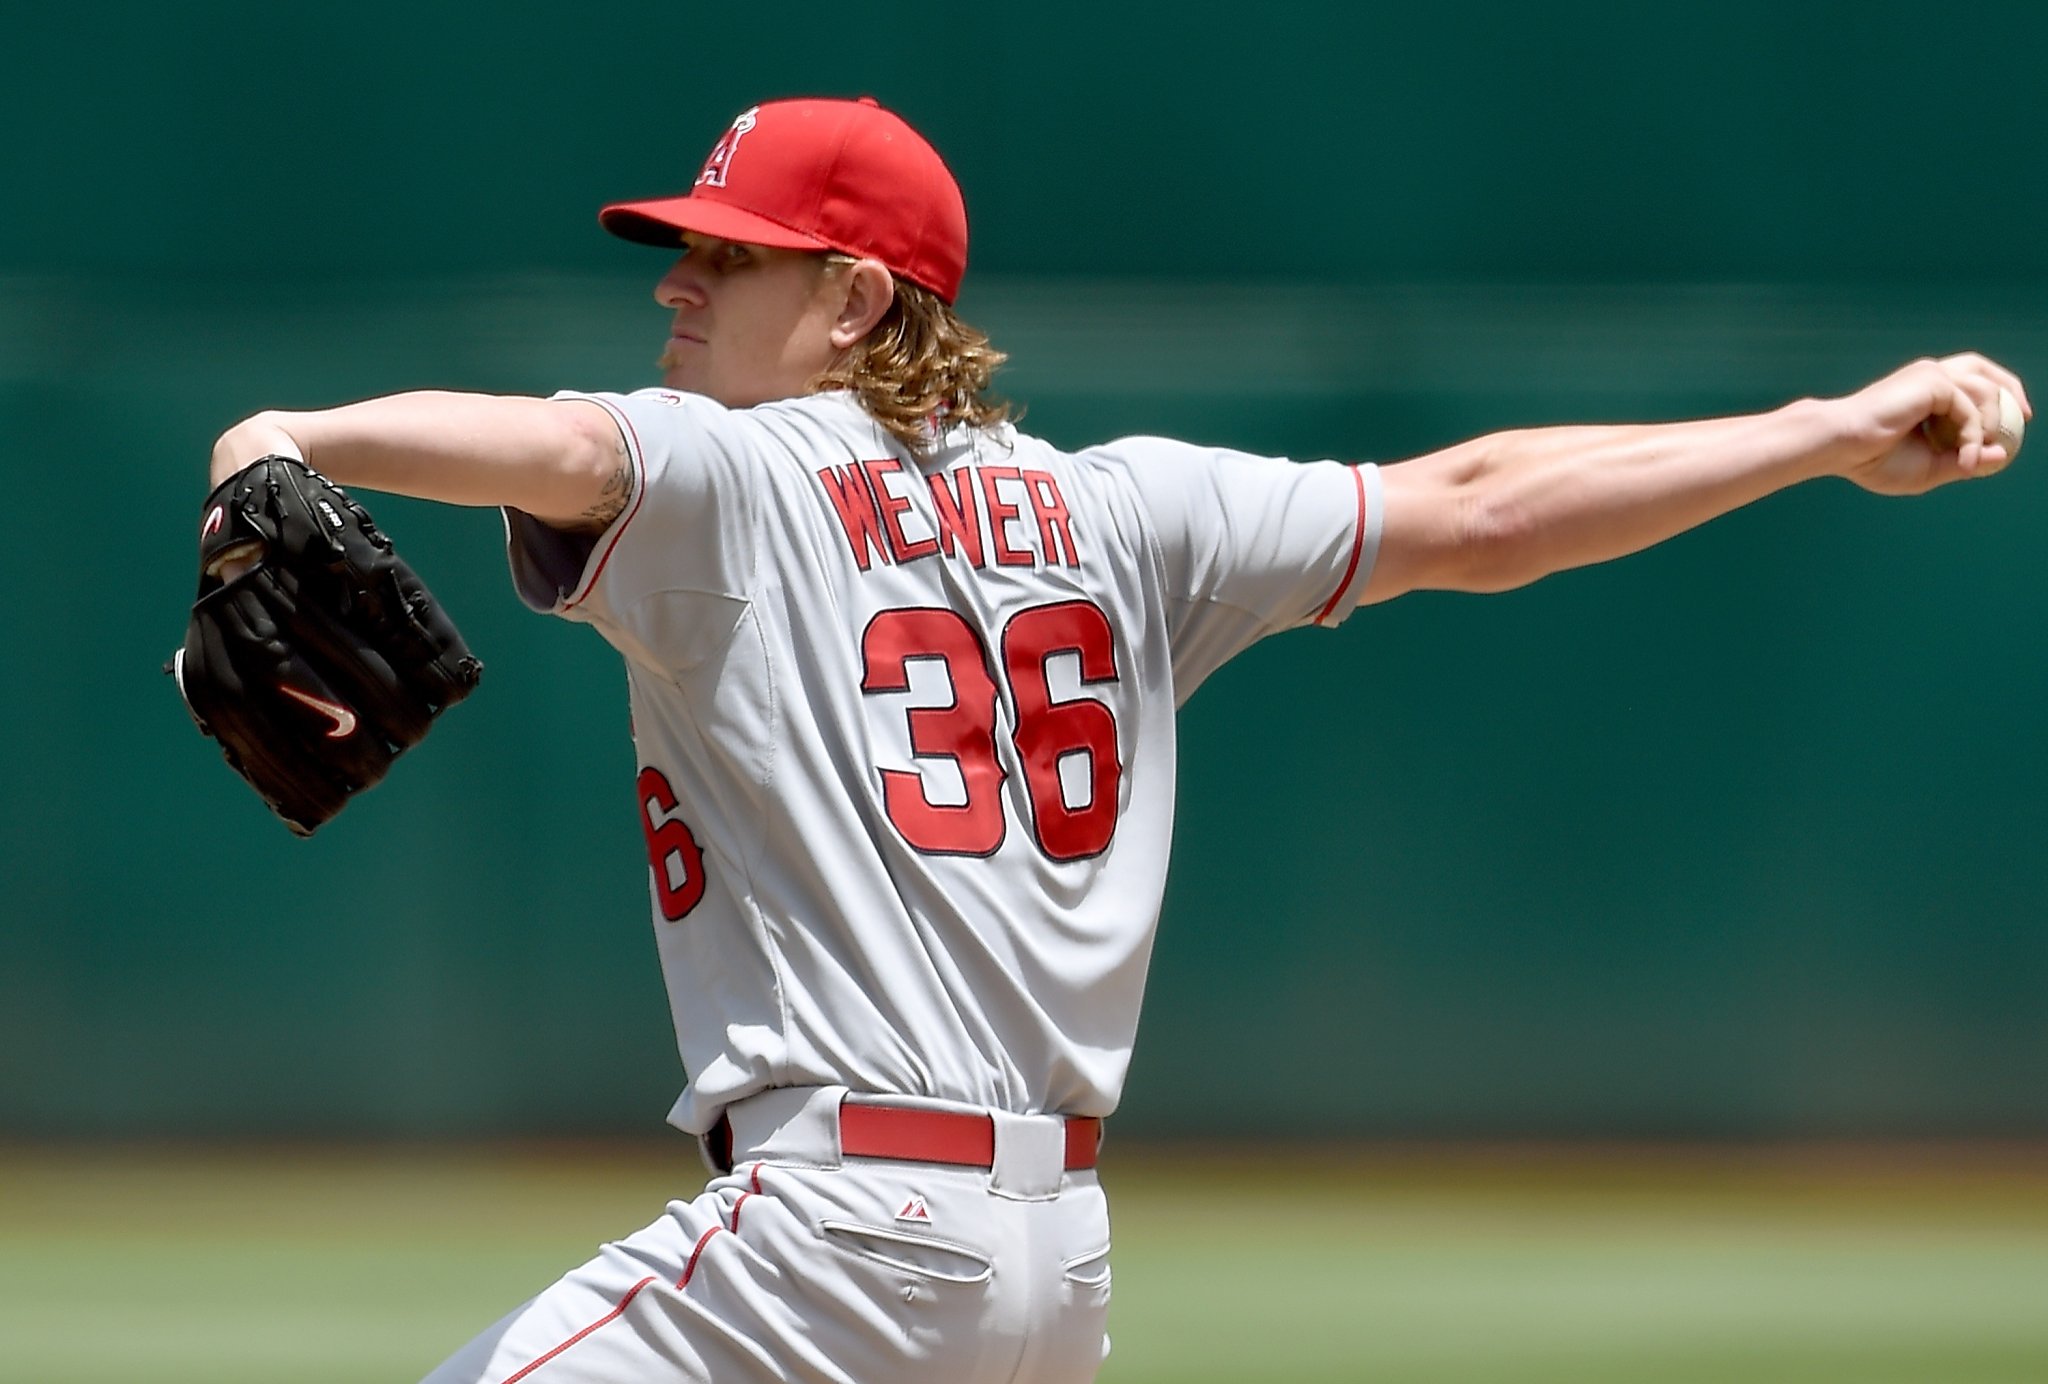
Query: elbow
point(1479, 517)
point(1455, 523)
point(1496, 542)
point(587, 472)
point(255, 437)
point(588, 449)
point(592, 452)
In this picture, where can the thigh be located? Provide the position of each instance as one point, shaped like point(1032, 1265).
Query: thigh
point(641, 1312)
point(825, 1276)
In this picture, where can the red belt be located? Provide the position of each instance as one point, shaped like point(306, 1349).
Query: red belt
point(944, 1136)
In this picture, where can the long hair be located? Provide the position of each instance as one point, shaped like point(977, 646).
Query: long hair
point(920, 370)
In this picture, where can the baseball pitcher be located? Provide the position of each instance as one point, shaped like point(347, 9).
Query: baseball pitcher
point(903, 684)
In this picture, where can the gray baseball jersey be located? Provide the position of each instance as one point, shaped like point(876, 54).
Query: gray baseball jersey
point(906, 730)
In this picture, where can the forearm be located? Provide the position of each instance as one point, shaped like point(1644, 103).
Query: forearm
point(559, 460)
point(1544, 500)
point(1501, 511)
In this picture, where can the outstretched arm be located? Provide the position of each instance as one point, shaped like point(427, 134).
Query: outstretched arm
point(561, 461)
point(1503, 510)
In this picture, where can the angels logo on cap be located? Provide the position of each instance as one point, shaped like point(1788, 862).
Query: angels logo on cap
point(721, 154)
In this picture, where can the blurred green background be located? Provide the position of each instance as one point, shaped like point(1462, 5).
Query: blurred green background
point(1735, 842)
point(1739, 838)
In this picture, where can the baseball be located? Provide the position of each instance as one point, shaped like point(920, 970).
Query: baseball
point(2012, 424)
point(2006, 430)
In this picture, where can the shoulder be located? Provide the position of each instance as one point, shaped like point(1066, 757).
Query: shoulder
point(819, 429)
point(831, 409)
point(669, 425)
point(1171, 476)
point(1148, 455)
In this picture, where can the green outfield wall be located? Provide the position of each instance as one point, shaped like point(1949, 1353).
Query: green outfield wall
point(1741, 837)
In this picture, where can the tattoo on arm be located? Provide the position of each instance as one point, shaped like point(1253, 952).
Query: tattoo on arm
point(611, 501)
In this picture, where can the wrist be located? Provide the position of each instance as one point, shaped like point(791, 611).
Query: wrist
point(1829, 436)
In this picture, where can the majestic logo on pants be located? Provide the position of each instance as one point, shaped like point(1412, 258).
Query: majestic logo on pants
point(915, 1210)
point(720, 162)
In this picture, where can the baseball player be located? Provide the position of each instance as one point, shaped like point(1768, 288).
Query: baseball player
point(903, 683)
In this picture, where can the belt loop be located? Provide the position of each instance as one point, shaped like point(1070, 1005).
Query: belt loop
point(1031, 1156)
point(794, 1124)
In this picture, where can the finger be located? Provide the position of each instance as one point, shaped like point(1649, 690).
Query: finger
point(1981, 392)
point(1955, 421)
point(1976, 362)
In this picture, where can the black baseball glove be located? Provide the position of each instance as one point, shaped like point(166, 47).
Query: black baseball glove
point(314, 655)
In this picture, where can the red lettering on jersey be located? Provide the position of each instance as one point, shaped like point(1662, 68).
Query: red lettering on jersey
point(681, 889)
point(1049, 731)
point(963, 731)
point(847, 488)
point(893, 505)
point(1079, 734)
point(958, 519)
point(1055, 527)
point(1000, 514)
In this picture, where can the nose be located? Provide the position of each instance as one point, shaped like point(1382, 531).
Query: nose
point(679, 286)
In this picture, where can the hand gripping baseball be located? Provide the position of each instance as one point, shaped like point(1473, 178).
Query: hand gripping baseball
point(1936, 421)
point(313, 655)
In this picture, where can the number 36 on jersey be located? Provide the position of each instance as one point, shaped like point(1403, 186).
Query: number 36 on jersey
point(953, 803)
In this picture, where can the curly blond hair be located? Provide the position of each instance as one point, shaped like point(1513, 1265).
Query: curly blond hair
point(920, 370)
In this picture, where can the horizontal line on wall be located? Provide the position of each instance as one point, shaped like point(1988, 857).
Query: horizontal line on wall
point(1068, 337)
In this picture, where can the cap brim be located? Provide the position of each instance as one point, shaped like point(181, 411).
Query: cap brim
point(663, 220)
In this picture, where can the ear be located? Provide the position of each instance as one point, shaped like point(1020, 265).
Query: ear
point(869, 288)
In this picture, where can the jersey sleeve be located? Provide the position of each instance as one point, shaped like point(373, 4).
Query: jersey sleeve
point(1250, 545)
point(666, 577)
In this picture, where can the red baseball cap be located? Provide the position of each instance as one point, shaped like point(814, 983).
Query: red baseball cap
point(820, 175)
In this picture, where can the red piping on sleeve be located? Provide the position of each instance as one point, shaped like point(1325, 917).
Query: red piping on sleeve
point(619, 530)
point(1357, 547)
point(691, 1267)
point(607, 1318)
